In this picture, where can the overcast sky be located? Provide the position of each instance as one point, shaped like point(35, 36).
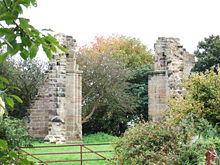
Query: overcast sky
point(189, 20)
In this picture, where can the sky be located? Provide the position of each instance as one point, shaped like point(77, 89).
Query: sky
point(189, 20)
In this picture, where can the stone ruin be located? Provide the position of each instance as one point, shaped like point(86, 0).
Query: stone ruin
point(172, 64)
point(56, 112)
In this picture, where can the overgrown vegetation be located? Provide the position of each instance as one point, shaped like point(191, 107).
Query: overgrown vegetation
point(201, 97)
point(207, 54)
point(14, 132)
point(113, 84)
point(8, 156)
point(26, 75)
point(17, 36)
point(190, 127)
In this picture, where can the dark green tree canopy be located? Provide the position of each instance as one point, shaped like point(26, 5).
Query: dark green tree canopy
point(207, 54)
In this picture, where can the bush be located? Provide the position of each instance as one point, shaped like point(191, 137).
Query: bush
point(8, 156)
point(201, 97)
point(27, 76)
point(14, 132)
point(149, 143)
point(158, 143)
point(194, 153)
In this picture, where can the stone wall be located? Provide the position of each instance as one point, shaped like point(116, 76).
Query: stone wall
point(172, 64)
point(56, 112)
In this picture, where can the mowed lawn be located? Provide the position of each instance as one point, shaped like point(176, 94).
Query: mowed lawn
point(91, 139)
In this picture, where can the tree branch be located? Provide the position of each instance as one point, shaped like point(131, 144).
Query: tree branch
point(84, 120)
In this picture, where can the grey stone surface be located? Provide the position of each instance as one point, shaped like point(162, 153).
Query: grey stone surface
point(172, 64)
point(56, 112)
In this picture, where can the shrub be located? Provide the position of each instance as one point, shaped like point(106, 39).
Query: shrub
point(14, 132)
point(194, 153)
point(158, 143)
point(8, 156)
point(201, 97)
point(149, 143)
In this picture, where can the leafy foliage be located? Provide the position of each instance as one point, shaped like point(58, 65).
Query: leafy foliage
point(138, 86)
point(8, 156)
point(149, 143)
point(106, 62)
point(18, 36)
point(14, 132)
point(130, 51)
point(26, 75)
point(167, 143)
point(107, 119)
point(207, 54)
point(201, 97)
point(193, 153)
point(104, 93)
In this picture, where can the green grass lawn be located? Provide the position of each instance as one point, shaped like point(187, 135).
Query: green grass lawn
point(91, 139)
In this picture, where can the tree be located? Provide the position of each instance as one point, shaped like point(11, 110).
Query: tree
point(103, 88)
point(130, 51)
point(108, 58)
point(27, 75)
point(138, 86)
point(106, 64)
point(201, 97)
point(17, 36)
point(207, 54)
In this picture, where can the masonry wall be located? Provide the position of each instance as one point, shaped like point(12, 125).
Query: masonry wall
point(172, 64)
point(56, 113)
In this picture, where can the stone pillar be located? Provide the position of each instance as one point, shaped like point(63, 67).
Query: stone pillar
point(172, 64)
point(57, 110)
point(158, 93)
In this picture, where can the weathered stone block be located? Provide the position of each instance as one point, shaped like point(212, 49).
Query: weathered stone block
point(58, 97)
point(171, 65)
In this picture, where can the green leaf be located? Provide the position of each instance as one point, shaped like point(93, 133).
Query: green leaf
point(24, 23)
point(3, 56)
point(11, 46)
point(9, 101)
point(17, 7)
point(4, 31)
point(12, 87)
point(33, 50)
point(34, 3)
point(3, 145)
point(7, 16)
point(10, 37)
point(47, 51)
point(8, 44)
point(51, 39)
point(26, 41)
point(17, 98)
point(4, 80)
point(24, 54)
point(17, 47)
point(61, 48)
